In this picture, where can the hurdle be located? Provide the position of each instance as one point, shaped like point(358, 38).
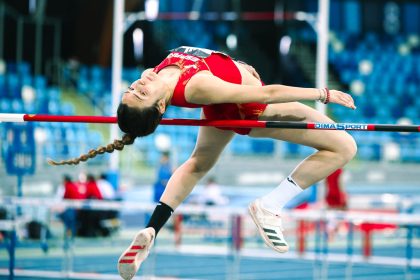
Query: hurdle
point(217, 123)
point(321, 254)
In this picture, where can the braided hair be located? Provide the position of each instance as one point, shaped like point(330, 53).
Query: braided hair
point(127, 139)
point(135, 122)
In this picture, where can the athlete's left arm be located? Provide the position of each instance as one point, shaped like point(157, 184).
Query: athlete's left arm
point(208, 89)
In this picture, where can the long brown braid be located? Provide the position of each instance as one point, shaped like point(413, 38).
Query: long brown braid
point(127, 139)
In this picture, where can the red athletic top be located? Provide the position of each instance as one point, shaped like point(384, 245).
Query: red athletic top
point(92, 190)
point(192, 60)
point(72, 191)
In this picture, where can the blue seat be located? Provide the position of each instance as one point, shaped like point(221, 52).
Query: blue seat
point(3, 92)
point(17, 105)
point(5, 105)
point(397, 111)
point(97, 86)
point(407, 153)
point(74, 150)
point(27, 81)
point(291, 149)
point(13, 86)
point(131, 74)
point(95, 138)
point(70, 135)
point(81, 133)
point(262, 146)
point(67, 109)
point(53, 107)
point(40, 82)
point(240, 146)
point(23, 69)
point(407, 100)
point(29, 108)
point(369, 151)
point(83, 85)
point(96, 73)
point(305, 151)
point(383, 137)
point(54, 94)
point(383, 112)
point(369, 110)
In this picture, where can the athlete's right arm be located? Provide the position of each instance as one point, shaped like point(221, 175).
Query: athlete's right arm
point(208, 89)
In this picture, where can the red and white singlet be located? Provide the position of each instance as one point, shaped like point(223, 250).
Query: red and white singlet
point(192, 60)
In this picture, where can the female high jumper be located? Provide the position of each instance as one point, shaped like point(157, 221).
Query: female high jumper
point(225, 89)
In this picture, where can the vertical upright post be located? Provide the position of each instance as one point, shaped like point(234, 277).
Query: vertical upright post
point(57, 51)
point(12, 248)
point(317, 249)
point(324, 273)
point(19, 192)
point(2, 15)
point(367, 241)
point(409, 252)
point(178, 229)
point(322, 30)
point(38, 37)
point(67, 264)
point(19, 39)
point(57, 40)
point(117, 55)
point(236, 245)
point(236, 233)
point(349, 250)
point(301, 236)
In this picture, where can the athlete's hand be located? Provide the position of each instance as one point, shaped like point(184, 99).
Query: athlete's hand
point(342, 98)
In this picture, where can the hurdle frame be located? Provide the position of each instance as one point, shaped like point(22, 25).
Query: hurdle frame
point(321, 255)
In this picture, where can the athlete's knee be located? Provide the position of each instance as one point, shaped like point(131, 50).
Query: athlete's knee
point(200, 164)
point(347, 147)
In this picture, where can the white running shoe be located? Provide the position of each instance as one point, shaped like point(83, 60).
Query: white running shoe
point(130, 261)
point(269, 225)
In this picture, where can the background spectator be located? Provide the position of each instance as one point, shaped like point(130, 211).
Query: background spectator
point(106, 189)
point(70, 190)
point(164, 172)
point(212, 194)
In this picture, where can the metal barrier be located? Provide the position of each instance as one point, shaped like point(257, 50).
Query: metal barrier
point(321, 255)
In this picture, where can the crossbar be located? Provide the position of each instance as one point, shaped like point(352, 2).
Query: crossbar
point(217, 123)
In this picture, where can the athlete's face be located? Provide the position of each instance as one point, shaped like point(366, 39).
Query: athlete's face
point(148, 91)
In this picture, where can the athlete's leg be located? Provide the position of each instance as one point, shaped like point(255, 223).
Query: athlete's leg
point(335, 148)
point(210, 143)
